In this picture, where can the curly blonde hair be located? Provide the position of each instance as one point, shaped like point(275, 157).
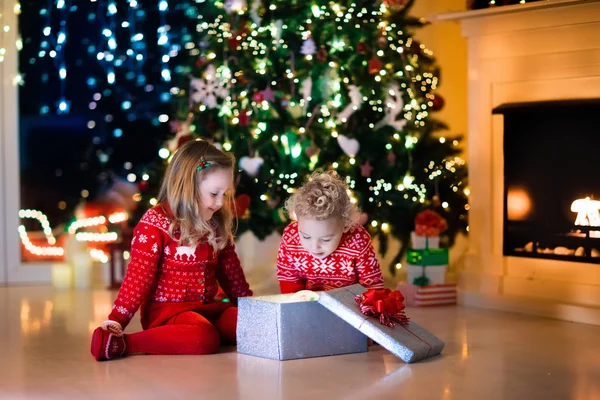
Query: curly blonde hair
point(324, 196)
point(181, 190)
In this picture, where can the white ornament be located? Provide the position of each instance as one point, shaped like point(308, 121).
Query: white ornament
point(251, 165)
point(277, 30)
point(308, 47)
point(208, 89)
point(349, 146)
point(234, 6)
point(257, 19)
point(394, 106)
point(306, 91)
point(355, 103)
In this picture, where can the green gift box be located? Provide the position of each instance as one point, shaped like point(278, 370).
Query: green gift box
point(427, 257)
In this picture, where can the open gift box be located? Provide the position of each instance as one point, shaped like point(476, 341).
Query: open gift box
point(272, 327)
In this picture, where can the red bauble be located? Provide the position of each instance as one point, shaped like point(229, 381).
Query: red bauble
point(244, 118)
point(258, 97)
point(233, 43)
point(311, 151)
point(438, 103)
point(143, 185)
point(322, 55)
point(201, 61)
point(242, 203)
point(396, 5)
point(391, 158)
point(184, 139)
point(362, 47)
point(375, 65)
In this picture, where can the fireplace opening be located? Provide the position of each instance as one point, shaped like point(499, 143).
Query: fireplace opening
point(552, 180)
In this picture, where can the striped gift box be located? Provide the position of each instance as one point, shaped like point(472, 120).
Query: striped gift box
point(435, 295)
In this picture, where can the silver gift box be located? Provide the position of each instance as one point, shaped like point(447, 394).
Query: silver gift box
point(410, 343)
point(270, 327)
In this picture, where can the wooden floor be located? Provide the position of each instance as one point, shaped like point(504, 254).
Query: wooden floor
point(45, 337)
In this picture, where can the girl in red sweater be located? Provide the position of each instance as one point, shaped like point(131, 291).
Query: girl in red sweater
point(182, 249)
point(325, 248)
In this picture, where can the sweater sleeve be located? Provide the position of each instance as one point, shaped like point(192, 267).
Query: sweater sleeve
point(230, 274)
point(146, 249)
point(367, 266)
point(289, 281)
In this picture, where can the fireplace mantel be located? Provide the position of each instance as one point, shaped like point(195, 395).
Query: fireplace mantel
point(517, 8)
point(541, 51)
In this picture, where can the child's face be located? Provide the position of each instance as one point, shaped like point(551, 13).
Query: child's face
point(212, 191)
point(320, 238)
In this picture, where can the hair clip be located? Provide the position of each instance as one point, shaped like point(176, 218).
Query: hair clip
point(202, 164)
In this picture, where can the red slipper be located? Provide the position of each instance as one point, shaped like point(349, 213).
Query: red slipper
point(107, 345)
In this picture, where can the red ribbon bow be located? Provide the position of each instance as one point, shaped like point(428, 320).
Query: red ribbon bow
point(386, 304)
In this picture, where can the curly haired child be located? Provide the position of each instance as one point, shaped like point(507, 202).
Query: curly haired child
point(325, 247)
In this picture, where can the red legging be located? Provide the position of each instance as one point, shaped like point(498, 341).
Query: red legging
point(185, 333)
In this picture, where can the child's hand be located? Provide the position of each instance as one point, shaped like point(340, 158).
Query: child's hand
point(112, 326)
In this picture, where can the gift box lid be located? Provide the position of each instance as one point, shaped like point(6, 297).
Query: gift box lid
point(410, 343)
point(427, 257)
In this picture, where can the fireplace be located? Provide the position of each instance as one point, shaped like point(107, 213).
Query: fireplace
point(552, 180)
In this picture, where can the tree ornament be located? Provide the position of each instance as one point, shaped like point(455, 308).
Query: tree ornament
point(349, 146)
point(436, 200)
point(438, 103)
point(251, 165)
point(268, 94)
point(394, 108)
point(308, 47)
point(395, 5)
point(258, 97)
point(208, 89)
point(355, 102)
point(375, 65)
point(366, 169)
point(362, 47)
point(201, 61)
point(242, 204)
point(244, 118)
point(391, 158)
point(322, 55)
point(311, 151)
point(143, 185)
point(234, 6)
point(382, 42)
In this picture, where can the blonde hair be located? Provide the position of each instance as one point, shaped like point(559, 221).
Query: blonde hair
point(181, 190)
point(324, 196)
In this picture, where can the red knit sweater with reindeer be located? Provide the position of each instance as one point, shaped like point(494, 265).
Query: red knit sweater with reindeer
point(161, 270)
point(354, 261)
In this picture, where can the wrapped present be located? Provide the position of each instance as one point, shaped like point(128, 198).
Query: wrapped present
point(426, 257)
point(435, 295)
point(427, 296)
point(409, 292)
point(424, 242)
point(408, 341)
point(429, 275)
point(273, 327)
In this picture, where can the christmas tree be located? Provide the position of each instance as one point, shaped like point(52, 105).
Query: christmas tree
point(292, 86)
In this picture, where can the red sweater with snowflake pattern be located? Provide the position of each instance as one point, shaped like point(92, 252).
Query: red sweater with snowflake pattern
point(161, 270)
point(353, 261)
